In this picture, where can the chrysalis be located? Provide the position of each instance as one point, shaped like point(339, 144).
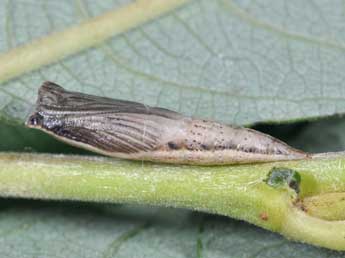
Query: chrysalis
point(132, 130)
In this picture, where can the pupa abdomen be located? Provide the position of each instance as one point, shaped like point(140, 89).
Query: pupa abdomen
point(132, 130)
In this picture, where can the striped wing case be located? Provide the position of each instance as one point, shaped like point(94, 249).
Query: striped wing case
point(98, 123)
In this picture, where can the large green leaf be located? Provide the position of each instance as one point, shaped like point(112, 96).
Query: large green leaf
point(234, 61)
point(53, 229)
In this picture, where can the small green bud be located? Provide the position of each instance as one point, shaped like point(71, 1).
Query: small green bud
point(280, 177)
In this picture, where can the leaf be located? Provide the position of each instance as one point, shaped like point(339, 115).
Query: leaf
point(88, 230)
point(240, 62)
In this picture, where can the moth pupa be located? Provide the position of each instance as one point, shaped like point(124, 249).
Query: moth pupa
point(131, 130)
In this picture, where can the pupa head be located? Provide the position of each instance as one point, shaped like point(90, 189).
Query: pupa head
point(34, 121)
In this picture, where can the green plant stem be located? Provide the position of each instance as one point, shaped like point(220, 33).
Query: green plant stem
point(235, 191)
point(59, 45)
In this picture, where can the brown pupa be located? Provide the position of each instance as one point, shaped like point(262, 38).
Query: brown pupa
point(136, 131)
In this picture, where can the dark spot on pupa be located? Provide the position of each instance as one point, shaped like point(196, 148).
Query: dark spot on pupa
point(220, 147)
point(251, 150)
point(173, 146)
point(231, 146)
point(190, 147)
point(205, 146)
